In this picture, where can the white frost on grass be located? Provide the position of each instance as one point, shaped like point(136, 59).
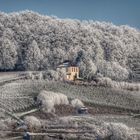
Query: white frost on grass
point(106, 81)
point(121, 132)
point(97, 128)
point(77, 103)
point(3, 128)
point(50, 99)
point(32, 122)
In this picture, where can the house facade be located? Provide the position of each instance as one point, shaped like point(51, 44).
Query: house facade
point(71, 71)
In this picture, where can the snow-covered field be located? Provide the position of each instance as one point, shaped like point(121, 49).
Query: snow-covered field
point(7, 75)
point(92, 95)
point(17, 97)
point(86, 128)
point(98, 95)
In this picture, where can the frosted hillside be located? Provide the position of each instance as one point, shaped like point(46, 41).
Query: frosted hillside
point(29, 41)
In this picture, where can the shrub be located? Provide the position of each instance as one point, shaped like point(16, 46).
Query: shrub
point(49, 99)
point(32, 122)
point(77, 103)
point(3, 128)
point(121, 132)
point(105, 81)
point(113, 70)
point(51, 75)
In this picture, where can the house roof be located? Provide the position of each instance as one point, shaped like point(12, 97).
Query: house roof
point(67, 63)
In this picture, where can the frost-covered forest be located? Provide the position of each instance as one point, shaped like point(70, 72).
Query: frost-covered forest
point(30, 41)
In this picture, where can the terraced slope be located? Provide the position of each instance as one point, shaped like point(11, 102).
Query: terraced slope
point(18, 96)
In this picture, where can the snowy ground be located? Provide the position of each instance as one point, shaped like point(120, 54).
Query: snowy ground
point(17, 97)
point(7, 75)
point(90, 127)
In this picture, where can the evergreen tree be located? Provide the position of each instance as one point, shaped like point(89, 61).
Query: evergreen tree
point(8, 54)
point(33, 57)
